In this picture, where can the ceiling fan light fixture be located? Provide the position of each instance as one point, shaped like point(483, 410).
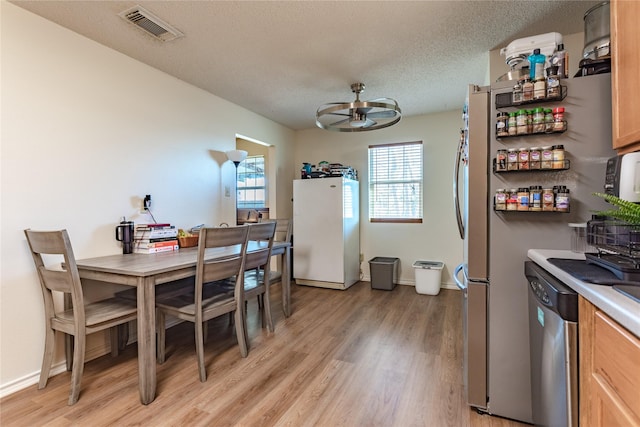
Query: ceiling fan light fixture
point(358, 116)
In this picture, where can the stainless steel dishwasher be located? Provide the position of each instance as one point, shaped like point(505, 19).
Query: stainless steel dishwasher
point(553, 339)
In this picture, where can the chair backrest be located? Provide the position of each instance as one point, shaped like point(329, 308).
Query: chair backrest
point(66, 280)
point(262, 233)
point(230, 239)
point(284, 228)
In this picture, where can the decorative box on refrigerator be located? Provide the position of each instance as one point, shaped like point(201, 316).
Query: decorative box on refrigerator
point(326, 221)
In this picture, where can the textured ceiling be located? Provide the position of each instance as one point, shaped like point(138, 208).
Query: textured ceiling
point(283, 59)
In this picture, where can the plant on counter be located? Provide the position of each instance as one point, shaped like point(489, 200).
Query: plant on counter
point(627, 211)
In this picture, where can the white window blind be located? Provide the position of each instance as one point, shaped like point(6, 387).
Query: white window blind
point(251, 183)
point(395, 182)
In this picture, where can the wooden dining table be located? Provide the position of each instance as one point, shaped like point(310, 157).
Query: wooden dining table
point(145, 271)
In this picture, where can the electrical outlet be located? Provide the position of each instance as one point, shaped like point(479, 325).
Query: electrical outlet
point(146, 203)
point(361, 257)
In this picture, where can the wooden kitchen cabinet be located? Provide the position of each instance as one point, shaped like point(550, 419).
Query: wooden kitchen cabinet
point(625, 77)
point(609, 370)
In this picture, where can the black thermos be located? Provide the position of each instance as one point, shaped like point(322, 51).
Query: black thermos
point(124, 234)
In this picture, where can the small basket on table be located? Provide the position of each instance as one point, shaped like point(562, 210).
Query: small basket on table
point(187, 240)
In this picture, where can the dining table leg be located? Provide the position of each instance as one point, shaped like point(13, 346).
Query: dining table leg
point(286, 282)
point(146, 339)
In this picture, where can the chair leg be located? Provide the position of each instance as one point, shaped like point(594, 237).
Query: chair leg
point(241, 333)
point(160, 332)
point(200, 350)
point(47, 357)
point(114, 338)
point(78, 367)
point(205, 331)
point(123, 336)
point(267, 309)
point(68, 351)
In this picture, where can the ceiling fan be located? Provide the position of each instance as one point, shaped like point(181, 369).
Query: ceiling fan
point(360, 115)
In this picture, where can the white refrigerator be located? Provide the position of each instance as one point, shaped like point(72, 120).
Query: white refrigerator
point(326, 232)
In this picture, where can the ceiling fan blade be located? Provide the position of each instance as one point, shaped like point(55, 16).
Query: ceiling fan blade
point(339, 122)
point(386, 114)
point(369, 123)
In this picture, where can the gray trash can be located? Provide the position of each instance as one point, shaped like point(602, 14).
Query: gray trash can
point(384, 272)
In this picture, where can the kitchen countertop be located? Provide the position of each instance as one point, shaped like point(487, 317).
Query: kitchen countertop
point(619, 307)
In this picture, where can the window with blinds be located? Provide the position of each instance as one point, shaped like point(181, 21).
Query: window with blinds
point(395, 182)
point(251, 183)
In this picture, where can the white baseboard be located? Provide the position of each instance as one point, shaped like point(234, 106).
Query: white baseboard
point(443, 285)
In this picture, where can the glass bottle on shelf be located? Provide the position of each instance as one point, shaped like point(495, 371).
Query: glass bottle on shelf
point(535, 158)
point(553, 82)
point(512, 128)
point(516, 95)
point(527, 90)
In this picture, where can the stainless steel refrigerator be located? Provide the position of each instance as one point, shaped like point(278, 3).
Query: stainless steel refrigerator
point(496, 342)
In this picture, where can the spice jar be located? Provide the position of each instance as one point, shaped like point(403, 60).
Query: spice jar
point(523, 159)
point(548, 120)
point(501, 124)
point(562, 199)
point(512, 159)
point(512, 200)
point(523, 199)
point(535, 198)
point(548, 199)
point(538, 120)
point(501, 160)
point(501, 199)
point(534, 157)
point(553, 82)
point(558, 119)
point(516, 95)
point(527, 90)
point(512, 127)
point(558, 156)
point(529, 121)
point(540, 88)
point(521, 122)
point(546, 158)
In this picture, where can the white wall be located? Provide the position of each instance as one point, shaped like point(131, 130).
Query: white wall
point(437, 237)
point(86, 133)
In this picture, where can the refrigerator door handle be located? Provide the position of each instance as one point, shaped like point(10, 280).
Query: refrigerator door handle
point(456, 173)
point(461, 285)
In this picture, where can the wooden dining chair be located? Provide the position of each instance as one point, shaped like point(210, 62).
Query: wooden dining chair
point(283, 233)
point(256, 264)
point(218, 298)
point(79, 320)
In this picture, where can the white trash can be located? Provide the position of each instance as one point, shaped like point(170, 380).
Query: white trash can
point(428, 274)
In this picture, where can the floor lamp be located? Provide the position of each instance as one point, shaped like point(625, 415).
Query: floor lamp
point(236, 156)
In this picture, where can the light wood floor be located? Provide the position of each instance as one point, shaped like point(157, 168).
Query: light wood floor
point(359, 357)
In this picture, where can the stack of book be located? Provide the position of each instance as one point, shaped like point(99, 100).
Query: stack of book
point(155, 238)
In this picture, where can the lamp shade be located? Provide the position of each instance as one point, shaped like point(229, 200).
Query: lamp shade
point(236, 156)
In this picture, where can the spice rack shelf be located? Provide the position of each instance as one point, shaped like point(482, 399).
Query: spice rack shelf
point(550, 132)
point(566, 164)
point(504, 100)
point(529, 212)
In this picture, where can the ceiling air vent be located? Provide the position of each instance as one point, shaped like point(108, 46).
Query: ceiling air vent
point(147, 21)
